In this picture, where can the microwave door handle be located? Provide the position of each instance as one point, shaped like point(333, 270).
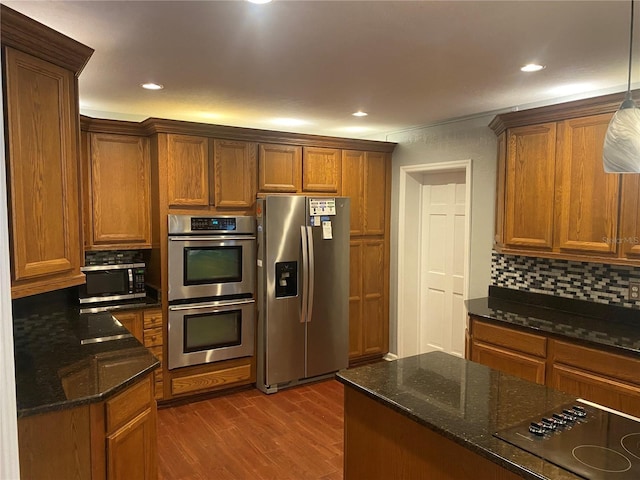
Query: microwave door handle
point(130, 272)
point(305, 278)
point(311, 272)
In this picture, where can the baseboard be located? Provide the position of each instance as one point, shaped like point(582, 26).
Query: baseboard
point(389, 357)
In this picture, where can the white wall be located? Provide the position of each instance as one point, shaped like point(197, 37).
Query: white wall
point(8, 426)
point(460, 140)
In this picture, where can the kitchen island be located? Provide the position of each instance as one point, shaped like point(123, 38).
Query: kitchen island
point(433, 416)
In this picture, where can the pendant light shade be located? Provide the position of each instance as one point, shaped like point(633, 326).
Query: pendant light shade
point(621, 152)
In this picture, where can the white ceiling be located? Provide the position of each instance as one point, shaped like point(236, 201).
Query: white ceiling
point(407, 63)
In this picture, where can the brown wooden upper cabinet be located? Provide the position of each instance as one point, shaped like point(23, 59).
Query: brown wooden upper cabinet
point(226, 181)
point(42, 136)
point(553, 197)
point(234, 166)
point(117, 215)
point(321, 170)
point(364, 181)
point(279, 168)
point(530, 166)
point(187, 171)
point(586, 197)
point(629, 235)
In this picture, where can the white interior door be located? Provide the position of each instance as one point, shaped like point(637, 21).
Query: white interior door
point(443, 234)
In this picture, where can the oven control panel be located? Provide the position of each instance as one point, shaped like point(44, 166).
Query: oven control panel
point(213, 223)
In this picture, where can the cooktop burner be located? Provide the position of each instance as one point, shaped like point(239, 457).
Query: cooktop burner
point(590, 442)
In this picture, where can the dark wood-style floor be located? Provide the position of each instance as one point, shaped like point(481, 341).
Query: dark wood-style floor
point(294, 434)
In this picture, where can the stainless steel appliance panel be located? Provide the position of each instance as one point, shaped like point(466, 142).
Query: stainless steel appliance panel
point(211, 256)
point(303, 326)
point(284, 329)
point(328, 323)
point(182, 353)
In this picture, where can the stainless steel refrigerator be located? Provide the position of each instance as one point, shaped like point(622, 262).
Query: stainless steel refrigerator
point(303, 289)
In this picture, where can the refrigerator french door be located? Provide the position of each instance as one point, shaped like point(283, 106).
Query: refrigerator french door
point(303, 289)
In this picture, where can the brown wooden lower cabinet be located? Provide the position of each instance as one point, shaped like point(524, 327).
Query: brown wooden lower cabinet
point(380, 443)
point(509, 361)
point(368, 318)
point(146, 325)
point(599, 389)
point(111, 440)
point(598, 375)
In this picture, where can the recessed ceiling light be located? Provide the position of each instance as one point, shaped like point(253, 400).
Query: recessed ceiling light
point(259, 2)
point(360, 113)
point(532, 67)
point(152, 86)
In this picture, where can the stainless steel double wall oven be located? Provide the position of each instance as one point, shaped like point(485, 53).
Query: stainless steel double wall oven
point(211, 292)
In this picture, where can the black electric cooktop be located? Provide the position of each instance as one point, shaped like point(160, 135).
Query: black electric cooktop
point(588, 441)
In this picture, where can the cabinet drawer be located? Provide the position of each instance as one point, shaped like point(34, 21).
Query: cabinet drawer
point(153, 337)
point(514, 363)
point(125, 406)
point(510, 338)
point(209, 380)
point(597, 361)
point(605, 391)
point(152, 319)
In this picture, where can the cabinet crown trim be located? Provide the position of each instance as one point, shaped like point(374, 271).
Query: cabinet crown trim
point(25, 34)
point(560, 111)
point(152, 126)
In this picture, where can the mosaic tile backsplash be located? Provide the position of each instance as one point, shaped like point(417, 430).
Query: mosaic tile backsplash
point(594, 282)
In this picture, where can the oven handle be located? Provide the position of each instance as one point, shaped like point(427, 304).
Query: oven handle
point(209, 239)
point(196, 306)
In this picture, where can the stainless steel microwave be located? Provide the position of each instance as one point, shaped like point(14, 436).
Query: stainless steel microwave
point(107, 283)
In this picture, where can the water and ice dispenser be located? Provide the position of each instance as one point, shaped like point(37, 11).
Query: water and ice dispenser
point(286, 279)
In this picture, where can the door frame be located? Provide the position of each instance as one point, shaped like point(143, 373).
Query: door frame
point(405, 217)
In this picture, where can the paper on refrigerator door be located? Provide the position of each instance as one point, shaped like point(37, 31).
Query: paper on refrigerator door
point(327, 232)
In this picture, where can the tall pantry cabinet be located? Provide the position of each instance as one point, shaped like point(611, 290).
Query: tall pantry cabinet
point(366, 180)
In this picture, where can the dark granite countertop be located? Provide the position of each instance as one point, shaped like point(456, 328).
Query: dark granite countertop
point(59, 364)
point(465, 402)
point(614, 327)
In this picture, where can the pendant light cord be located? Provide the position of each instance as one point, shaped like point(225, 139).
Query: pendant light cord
point(630, 48)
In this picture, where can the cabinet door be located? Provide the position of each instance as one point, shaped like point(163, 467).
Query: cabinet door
point(120, 189)
point(279, 168)
point(132, 321)
point(586, 196)
point(375, 192)
point(529, 193)
point(605, 391)
point(234, 166)
point(132, 450)
point(355, 299)
point(374, 316)
point(321, 170)
point(509, 361)
point(353, 186)
point(42, 139)
point(629, 236)
point(188, 170)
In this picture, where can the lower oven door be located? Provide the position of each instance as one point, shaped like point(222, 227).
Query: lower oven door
point(211, 331)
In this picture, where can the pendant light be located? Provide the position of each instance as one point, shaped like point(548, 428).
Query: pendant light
point(621, 152)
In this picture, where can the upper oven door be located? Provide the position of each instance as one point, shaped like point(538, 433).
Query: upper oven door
point(201, 267)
